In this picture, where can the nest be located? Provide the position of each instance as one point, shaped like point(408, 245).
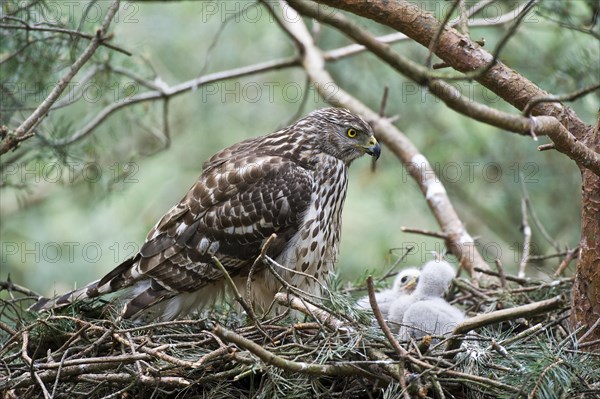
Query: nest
point(517, 344)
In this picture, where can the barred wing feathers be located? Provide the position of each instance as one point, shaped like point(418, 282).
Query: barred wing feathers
point(235, 205)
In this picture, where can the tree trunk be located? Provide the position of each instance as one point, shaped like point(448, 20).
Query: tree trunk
point(586, 291)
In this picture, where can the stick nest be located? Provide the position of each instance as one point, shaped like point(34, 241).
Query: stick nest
point(517, 344)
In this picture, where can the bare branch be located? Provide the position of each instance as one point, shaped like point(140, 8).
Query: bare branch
point(564, 140)
point(560, 98)
point(438, 34)
point(571, 254)
point(69, 32)
point(24, 131)
point(299, 367)
point(485, 319)
point(459, 52)
point(461, 243)
point(425, 232)
point(238, 297)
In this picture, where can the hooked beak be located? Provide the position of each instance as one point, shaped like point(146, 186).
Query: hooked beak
point(373, 148)
point(411, 285)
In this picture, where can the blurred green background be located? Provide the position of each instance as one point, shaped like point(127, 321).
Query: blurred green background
point(69, 215)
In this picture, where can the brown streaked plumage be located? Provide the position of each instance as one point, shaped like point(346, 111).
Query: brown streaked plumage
point(291, 183)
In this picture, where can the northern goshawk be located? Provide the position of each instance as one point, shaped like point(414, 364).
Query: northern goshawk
point(291, 183)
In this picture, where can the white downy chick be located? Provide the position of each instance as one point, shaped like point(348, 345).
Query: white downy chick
point(425, 311)
point(404, 285)
point(434, 279)
point(430, 317)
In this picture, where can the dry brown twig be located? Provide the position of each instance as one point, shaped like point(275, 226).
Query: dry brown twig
point(389, 335)
point(571, 254)
point(485, 319)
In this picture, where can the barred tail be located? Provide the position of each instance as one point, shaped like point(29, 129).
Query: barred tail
point(115, 280)
point(89, 291)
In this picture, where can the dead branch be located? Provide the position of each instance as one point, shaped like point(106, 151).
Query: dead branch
point(25, 26)
point(277, 361)
point(571, 254)
point(498, 316)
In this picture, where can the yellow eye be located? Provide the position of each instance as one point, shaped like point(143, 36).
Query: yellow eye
point(351, 133)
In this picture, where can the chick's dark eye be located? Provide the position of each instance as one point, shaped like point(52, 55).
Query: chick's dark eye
point(403, 279)
point(351, 133)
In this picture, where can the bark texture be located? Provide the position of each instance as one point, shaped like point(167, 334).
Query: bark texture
point(586, 291)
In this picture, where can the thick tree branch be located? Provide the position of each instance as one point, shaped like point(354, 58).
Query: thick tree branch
point(565, 141)
point(461, 53)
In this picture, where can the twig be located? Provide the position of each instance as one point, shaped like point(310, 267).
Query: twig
point(530, 332)
point(508, 277)
point(390, 272)
point(546, 147)
point(533, 393)
point(119, 359)
point(69, 32)
point(436, 38)
point(589, 331)
point(463, 18)
point(10, 286)
point(167, 382)
point(326, 318)
point(429, 233)
point(559, 98)
point(7, 328)
point(238, 296)
point(29, 363)
point(536, 220)
point(388, 334)
point(571, 254)
point(157, 353)
point(501, 274)
point(526, 239)
point(382, 106)
point(288, 365)
point(24, 131)
point(257, 261)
